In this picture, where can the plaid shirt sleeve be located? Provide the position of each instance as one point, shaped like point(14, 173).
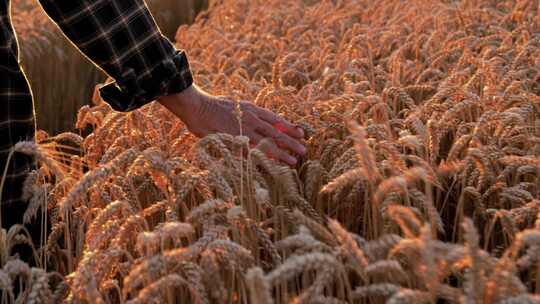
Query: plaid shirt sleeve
point(122, 38)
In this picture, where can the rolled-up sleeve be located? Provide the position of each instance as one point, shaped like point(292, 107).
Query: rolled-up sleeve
point(122, 38)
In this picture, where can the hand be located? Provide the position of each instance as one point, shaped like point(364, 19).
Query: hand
point(205, 114)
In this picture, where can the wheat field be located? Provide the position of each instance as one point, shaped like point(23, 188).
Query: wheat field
point(420, 185)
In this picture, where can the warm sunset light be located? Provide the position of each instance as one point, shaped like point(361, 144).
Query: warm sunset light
point(270, 152)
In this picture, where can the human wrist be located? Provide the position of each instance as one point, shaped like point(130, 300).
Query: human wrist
point(185, 100)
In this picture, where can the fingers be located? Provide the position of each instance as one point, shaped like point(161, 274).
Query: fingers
point(268, 146)
point(279, 123)
point(283, 140)
point(254, 138)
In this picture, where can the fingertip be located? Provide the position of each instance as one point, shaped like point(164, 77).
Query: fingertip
point(291, 160)
point(293, 144)
point(300, 131)
point(303, 150)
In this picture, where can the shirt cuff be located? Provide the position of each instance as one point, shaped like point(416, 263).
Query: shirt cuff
point(133, 91)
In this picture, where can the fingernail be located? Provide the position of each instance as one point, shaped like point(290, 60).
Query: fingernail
point(301, 131)
point(303, 150)
point(292, 160)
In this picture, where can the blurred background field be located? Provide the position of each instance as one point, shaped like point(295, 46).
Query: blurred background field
point(62, 79)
